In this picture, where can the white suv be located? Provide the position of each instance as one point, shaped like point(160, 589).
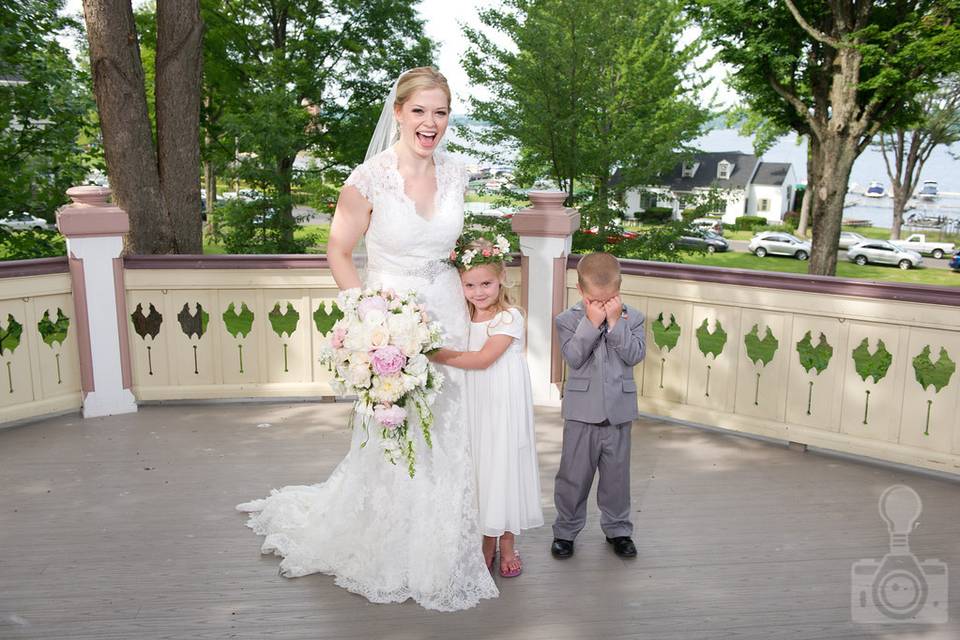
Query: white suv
point(776, 243)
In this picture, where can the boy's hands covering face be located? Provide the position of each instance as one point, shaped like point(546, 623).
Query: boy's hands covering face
point(596, 313)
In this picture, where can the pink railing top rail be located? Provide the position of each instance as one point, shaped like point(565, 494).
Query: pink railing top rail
point(33, 267)
point(829, 285)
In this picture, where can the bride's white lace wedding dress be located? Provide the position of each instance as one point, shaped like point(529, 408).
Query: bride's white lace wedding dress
point(382, 534)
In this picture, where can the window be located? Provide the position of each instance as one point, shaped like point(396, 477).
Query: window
point(724, 169)
point(689, 169)
point(763, 204)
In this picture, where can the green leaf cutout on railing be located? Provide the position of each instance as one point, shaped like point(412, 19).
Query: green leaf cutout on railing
point(194, 324)
point(711, 342)
point(326, 319)
point(146, 325)
point(10, 335)
point(286, 322)
point(51, 331)
point(814, 357)
point(666, 335)
point(760, 351)
point(872, 365)
point(238, 324)
point(936, 374)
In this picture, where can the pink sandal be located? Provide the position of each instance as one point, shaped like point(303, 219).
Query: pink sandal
point(516, 572)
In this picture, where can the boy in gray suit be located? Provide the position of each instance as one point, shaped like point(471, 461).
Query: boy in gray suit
point(601, 340)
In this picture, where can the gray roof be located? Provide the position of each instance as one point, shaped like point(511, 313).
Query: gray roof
point(772, 173)
point(706, 175)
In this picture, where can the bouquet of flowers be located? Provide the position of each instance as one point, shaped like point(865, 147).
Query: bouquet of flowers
point(377, 351)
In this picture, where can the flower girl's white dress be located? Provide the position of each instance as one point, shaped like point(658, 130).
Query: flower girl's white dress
point(501, 431)
point(384, 535)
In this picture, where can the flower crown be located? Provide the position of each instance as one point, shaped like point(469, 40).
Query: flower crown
point(465, 256)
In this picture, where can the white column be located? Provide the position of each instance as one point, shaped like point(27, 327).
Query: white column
point(94, 232)
point(546, 233)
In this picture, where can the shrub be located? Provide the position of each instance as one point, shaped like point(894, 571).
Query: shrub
point(749, 223)
point(30, 243)
point(655, 215)
point(792, 219)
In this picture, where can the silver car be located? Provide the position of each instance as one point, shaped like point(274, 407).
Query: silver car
point(849, 238)
point(21, 221)
point(882, 252)
point(776, 243)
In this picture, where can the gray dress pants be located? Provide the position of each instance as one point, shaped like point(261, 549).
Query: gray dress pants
point(587, 448)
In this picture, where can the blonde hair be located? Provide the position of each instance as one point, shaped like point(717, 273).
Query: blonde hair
point(503, 301)
point(599, 270)
point(417, 80)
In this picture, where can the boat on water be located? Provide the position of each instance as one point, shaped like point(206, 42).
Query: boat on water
point(875, 190)
point(929, 190)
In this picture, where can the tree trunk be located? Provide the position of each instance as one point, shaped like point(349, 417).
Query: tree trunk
point(829, 172)
point(118, 84)
point(179, 46)
point(805, 210)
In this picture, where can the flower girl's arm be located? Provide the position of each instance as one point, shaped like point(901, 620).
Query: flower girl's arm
point(350, 221)
point(493, 348)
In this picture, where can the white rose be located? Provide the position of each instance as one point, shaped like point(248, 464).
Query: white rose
point(358, 375)
point(358, 357)
point(374, 318)
point(356, 340)
point(378, 336)
point(417, 365)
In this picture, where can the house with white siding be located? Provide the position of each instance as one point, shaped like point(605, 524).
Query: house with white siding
point(746, 184)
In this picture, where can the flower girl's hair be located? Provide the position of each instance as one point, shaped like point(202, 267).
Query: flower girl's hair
point(504, 301)
point(417, 80)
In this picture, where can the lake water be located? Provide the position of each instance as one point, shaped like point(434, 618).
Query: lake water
point(941, 167)
point(870, 166)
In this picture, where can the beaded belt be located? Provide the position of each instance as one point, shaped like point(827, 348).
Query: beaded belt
point(429, 270)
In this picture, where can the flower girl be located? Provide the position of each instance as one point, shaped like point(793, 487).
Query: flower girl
point(499, 403)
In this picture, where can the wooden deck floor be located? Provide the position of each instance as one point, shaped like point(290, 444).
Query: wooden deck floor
point(124, 528)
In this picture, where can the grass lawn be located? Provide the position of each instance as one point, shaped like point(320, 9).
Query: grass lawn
point(318, 235)
point(845, 269)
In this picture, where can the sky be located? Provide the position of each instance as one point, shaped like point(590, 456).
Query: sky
point(443, 19)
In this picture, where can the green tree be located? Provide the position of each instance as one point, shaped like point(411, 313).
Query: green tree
point(836, 71)
point(587, 89)
point(44, 109)
point(314, 76)
point(906, 148)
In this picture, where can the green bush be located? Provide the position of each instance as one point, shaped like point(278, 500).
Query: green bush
point(29, 243)
point(654, 215)
point(749, 223)
point(792, 219)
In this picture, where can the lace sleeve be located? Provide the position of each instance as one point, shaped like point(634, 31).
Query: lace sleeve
point(360, 179)
point(507, 323)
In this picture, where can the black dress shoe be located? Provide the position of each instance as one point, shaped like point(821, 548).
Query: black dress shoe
point(561, 548)
point(623, 546)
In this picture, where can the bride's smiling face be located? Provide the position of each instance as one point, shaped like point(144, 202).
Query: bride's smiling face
point(423, 120)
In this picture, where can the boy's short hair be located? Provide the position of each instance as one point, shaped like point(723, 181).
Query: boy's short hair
point(598, 271)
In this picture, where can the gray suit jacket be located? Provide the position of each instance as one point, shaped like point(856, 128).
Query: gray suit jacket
point(600, 384)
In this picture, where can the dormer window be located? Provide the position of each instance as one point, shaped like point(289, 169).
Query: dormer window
point(724, 169)
point(690, 169)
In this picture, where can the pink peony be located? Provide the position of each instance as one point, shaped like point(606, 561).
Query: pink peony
point(390, 416)
point(387, 360)
point(336, 339)
point(453, 255)
point(486, 253)
point(369, 304)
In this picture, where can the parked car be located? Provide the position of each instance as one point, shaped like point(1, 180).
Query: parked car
point(955, 262)
point(883, 252)
point(707, 240)
point(918, 242)
point(849, 238)
point(779, 244)
point(22, 220)
point(714, 225)
point(614, 238)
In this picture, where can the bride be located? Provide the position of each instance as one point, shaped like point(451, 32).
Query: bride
point(382, 534)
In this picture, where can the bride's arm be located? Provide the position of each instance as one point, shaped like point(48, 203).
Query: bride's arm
point(350, 222)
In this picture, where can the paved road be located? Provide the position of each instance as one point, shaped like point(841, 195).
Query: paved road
point(741, 246)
